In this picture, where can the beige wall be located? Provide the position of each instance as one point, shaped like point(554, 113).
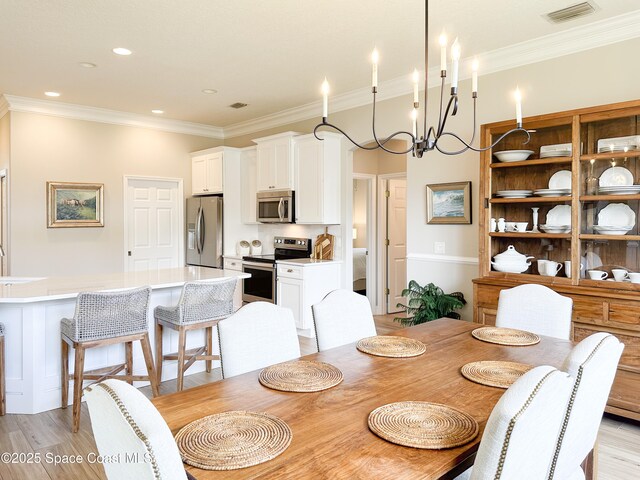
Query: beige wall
point(46, 148)
point(360, 197)
point(573, 81)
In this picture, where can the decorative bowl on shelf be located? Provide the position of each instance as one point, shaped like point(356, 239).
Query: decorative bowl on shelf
point(555, 228)
point(513, 155)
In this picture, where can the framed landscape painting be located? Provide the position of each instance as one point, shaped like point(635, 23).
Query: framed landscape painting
point(74, 204)
point(449, 203)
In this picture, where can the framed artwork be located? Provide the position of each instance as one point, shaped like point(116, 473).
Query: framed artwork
point(449, 203)
point(74, 205)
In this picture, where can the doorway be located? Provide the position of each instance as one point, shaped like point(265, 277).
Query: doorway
point(364, 235)
point(396, 251)
point(153, 226)
point(4, 251)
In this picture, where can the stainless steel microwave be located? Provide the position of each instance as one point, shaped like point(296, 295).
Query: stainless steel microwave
point(276, 206)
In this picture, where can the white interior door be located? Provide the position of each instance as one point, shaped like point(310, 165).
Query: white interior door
point(153, 223)
point(397, 235)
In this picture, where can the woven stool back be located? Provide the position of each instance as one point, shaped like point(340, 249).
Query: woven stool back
point(101, 315)
point(206, 300)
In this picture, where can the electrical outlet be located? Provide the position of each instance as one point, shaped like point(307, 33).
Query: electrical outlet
point(438, 248)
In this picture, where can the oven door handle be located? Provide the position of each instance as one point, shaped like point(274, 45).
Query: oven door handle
point(261, 266)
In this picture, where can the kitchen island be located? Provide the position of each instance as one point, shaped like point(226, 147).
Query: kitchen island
point(31, 310)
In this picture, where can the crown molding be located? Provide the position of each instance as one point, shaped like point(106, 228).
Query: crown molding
point(574, 40)
point(4, 106)
point(102, 115)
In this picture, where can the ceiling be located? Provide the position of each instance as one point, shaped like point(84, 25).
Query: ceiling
point(272, 55)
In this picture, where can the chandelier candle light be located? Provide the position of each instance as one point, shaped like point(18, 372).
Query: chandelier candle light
point(431, 135)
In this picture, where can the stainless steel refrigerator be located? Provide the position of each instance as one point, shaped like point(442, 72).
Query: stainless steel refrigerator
point(204, 231)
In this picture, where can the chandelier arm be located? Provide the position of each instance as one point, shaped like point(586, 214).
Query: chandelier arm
point(469, 147)
point(441, 101)
point(375, 137)
point(473, 135)
point(452, 100)
point(329, 125)
point(392, 136)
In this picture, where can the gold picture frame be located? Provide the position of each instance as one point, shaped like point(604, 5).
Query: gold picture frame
point(449, 203)
point(72, 204)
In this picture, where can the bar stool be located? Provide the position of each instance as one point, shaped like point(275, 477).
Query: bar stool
point(101, 319)
point(3, 406)
point(201, 305)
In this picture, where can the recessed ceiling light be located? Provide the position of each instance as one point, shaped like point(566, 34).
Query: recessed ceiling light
point(87, 65)
point(209, 91)
point(52, 94)
point(121, 51)
point(157, 111)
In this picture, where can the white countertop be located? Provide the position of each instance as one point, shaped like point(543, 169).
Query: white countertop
point(306, 262)
point(24, 290)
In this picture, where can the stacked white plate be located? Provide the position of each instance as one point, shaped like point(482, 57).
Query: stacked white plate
point(559, 150)
point(514, 193)
point(619, 190)
point(615, 177)
point(552, 192)
point(558, 220)
point(615, 219)
point(619, 144)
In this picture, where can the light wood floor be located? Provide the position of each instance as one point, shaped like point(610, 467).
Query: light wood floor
point(49, 433)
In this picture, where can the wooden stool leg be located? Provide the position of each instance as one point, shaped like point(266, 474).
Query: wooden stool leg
point(209, 347)
point(128, 353)
point(159, 356)
point(182, 341)
point(3, 389)
point(148, 359)
point(77, 387)
point(64, 374)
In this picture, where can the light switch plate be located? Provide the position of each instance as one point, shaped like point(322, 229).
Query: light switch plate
point(439, 248)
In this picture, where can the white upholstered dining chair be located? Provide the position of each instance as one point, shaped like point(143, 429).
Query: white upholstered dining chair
point(342, 317)
point(592, 366)
point(126, 424)
point(520, 435)
point(537, 309)
point(256, 336)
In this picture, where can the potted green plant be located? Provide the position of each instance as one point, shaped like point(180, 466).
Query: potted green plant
point(429, 303)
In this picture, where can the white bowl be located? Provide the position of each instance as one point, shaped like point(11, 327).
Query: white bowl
point(513, 155)
point(610, 230)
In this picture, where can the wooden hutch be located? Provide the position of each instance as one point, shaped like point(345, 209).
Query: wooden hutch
point(599, 305)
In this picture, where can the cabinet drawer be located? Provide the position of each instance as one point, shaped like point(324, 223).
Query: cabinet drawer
point(290, 271)
point(625, 315)
point(630, 359)
point(589, 311)
point(232, 264)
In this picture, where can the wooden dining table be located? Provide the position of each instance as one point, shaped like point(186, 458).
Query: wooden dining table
point(331, 437)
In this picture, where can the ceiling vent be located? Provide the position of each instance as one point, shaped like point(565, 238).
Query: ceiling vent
point(571, 13)
point(238, 105)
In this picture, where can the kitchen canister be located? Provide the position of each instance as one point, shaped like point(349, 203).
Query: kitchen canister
point(256, 247)
point(242, 248)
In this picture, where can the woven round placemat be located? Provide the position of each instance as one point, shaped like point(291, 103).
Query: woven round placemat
point(232, 440)
point(423, 425)
point(391, 346)
point(506, 336)
point(300, 376)
point(494, 373)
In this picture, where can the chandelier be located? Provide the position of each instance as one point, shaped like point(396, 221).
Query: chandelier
point(430, 135)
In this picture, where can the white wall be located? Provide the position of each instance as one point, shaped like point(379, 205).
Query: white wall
point(46, 148)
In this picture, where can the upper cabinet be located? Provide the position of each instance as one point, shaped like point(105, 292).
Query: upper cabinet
point(248, 185)
point(275, 162)
point(207, 172)
point(317, 178)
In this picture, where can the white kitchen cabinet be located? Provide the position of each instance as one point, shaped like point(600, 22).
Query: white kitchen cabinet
point(235, 264)
point(249, 184)
point(317, 173)
point(275, 162)
point(207, 173)
point(303, 283)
